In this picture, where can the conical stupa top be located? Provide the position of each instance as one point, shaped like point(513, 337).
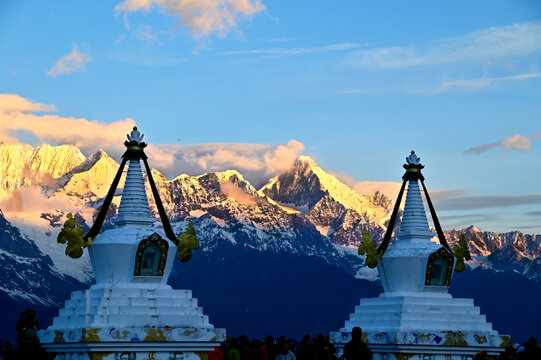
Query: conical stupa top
point(414, 222)
point(134, 207)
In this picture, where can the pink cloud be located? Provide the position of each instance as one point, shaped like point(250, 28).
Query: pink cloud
point(30, 200)
point(74, 61)
point(257, 162)
point(515, 142)
point(234, 192)
point(202, 17)
point(13, 103)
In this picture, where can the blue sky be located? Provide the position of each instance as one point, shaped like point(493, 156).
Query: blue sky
point(356, 85)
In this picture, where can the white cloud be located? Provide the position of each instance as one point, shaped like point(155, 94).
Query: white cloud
point(487, 201)
point(202, 17)
point(28, 200)
point(515, 142)
point(476, 84)
point(74, 61)
point(388, 188)
point(257, 162)
point(146, 33)
point(18, 113)
point(462, 85)
point(120, 39)
point(12, 103)
point(296, 51)
point(480, 46)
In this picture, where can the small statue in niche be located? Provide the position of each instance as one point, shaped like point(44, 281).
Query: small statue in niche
point(151, 256)
point(439, 268)
point(151, 260)
point(438, 272)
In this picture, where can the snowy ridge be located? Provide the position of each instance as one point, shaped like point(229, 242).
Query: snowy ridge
point(303, 211)
point(333, 207)
point(512, 251)
point(321, 182)
point(28, 274)
point(23, 165)
point(90, 180)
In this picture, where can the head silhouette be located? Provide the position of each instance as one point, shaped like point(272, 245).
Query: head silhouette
point(357, 333)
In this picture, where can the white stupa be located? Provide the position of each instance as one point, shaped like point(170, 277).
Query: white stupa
point(415, 316)
point(131, 312)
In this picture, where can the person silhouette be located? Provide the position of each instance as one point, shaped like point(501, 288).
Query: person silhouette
point(27, 335)
point(9, 353)
point(356, 349)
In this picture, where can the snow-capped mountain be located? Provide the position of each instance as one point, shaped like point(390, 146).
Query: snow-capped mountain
point(227, 209)
point(89, 180)
point(28, 274)
point(301, 227)
point(304, 210)
point(23, 165)
point(338, 211)
point(512, 251)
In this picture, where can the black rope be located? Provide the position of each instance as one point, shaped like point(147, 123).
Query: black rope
point(163, 216)
point(387, 238)
point(98, 223)
point(413, 173)
point(132, 153)
point(439, 231)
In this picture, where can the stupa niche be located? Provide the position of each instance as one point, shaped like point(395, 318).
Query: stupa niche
point(131, 312)
point(415, 317)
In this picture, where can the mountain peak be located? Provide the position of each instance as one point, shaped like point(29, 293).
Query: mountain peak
point(23, 165)
point(102, 152)
point(303, 159)
point(474, 229)
point(229, 176)
point(98, 155)
point(306, 184)
point(96, 173)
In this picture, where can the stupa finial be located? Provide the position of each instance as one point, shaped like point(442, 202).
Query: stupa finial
point(135, 141)
point(135, 136)
point(413, 166)
point(413, 159)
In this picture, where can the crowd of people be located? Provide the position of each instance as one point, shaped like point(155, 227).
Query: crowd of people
point(269, 348)
point(320, 348)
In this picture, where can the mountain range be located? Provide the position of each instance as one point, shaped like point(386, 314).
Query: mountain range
point(273, 246)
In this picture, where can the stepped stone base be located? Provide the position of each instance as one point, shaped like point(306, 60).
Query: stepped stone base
point(422, 326)
point(132, 343)
point(133, 322)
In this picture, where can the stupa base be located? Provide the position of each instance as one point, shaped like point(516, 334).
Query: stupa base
point(131, 354)
point(131, 343)
point(427, 352)
point(426, 345)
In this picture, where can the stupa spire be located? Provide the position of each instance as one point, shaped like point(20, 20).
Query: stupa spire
point(414, 211)
point(134, 207)
point(414, 226)
point(414, 222)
